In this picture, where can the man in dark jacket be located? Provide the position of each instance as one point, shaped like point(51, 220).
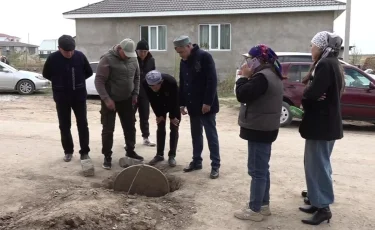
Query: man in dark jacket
point(198, 93)
point(146, 64)
point(162, 91)
point(68, 70)
point(117, 82)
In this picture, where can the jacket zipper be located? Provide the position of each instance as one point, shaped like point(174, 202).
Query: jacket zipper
point(246, 110)
point(73, 78)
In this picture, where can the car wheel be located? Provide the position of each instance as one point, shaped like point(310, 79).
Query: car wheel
point(286, 115)
point(25, 87)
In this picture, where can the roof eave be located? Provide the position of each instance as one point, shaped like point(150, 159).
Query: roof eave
point(209, 12)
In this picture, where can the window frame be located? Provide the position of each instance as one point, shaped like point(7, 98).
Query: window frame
point(355, 70)
point(219, 35)
point(157, 36)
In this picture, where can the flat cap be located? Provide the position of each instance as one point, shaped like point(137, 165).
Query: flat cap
point(181, 41)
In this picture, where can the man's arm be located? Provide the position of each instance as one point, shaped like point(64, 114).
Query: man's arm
point(320, 83)
point(181, 93)
point(153, 64)
point(137, 79)
point(211, 80)
point(250, 90)
point(47, 69)
point(174, 105)
point(151, 98)
point(87, 67)
point(102, 74)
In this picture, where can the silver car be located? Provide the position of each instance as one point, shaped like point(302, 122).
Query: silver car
point(23, 82)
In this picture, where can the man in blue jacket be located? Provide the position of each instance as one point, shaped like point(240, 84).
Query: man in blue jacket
point(68, 70)
point(198, 94)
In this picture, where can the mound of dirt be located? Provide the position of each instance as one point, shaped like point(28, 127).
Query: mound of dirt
point(100, 208)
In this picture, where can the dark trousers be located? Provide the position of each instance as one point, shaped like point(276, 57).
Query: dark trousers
point(124, 109)
point(197, 123)
point(259, 155)
point(173, 137)
point(143, 107)
point(64, 111)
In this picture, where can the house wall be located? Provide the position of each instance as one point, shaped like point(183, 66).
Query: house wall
point(283, 32)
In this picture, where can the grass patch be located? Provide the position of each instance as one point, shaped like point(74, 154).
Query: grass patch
point(226, 87)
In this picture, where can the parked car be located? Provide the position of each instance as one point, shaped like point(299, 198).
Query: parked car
point(286, 57)
point(23, 82)
point(358, 100)
point(90, 82)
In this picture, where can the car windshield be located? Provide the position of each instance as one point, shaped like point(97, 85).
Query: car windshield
point(8, 67)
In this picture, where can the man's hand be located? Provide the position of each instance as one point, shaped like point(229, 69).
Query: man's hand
point(110, 104)
point(175, 121)
point(206, 108)
point(183, 110)
point(134, 99)
point(322, 98)
point(159, 119)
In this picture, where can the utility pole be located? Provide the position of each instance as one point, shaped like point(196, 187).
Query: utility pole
point(347, 30)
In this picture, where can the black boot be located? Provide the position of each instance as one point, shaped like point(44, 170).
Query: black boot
point(193, 166)
point(134, 155)
point(322, 214)
point(304, 193)
point(156, 160)
point(308, 209)
point(306, 201)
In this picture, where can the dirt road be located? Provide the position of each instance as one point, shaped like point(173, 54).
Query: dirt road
point(40, 191)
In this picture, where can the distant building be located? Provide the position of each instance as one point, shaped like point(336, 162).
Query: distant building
point(8, 48)
point(8, 38)
point(47, 47)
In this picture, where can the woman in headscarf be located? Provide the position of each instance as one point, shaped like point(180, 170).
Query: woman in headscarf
point(260, 91)
point(322, 123)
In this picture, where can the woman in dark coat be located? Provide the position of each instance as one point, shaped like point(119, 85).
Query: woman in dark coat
point(322, 123)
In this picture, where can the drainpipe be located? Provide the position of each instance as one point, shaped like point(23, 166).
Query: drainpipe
point(347, 30)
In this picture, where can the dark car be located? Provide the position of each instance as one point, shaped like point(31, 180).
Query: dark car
point(357, 102)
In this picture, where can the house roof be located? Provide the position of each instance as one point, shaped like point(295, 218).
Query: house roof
point(7, 36)
point(142, 8)
point(48, 45)
point(16, 44)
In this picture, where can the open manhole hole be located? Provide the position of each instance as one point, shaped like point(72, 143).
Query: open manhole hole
point(144, 180)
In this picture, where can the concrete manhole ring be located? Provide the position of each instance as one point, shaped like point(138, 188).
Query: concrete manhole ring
point(143, 180)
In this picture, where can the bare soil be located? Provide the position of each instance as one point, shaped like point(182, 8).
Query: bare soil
point(40, 191)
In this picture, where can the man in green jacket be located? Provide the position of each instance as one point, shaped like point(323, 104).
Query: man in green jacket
point(117, 82)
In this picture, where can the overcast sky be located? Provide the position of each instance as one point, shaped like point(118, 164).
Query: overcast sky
point(42, 19)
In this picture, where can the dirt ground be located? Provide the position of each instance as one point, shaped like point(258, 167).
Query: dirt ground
point(40, 191)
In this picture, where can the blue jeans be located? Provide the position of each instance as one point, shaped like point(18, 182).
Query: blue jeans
point(197, 123)
point(318, 172)
point(259, 155)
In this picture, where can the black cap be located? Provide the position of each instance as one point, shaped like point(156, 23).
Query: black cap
point(142, 45)
point(67, 43)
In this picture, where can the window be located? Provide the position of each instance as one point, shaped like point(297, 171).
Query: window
point(354, 78)
point(295, 59)
point(215, 36)
point(297, 72)
point(156, 36)
point(94, 66)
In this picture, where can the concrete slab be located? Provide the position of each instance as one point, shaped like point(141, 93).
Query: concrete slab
point(125, 162)
point(143, 180)
point(87, 168)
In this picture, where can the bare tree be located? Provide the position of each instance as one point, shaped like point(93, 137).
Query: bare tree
point(355, 56)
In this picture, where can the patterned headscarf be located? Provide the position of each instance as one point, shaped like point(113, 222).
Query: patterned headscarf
point(266, 55)
point(328, 42)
